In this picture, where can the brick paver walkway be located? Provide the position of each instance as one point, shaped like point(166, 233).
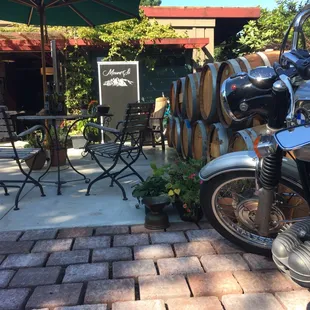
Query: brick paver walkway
point(187, 267)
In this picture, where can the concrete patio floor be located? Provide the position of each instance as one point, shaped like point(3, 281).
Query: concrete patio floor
point(104, 206)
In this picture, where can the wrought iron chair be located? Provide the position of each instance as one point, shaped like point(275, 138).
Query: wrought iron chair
point(11, 152)
point(134, 126)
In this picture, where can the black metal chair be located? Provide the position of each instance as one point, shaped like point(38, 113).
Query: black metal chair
point(134, 126)
point(18, 154)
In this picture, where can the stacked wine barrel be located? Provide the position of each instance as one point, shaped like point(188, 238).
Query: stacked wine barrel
point(198, 127)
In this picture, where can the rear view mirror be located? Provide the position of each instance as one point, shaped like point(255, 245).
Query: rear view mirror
point(293, 138)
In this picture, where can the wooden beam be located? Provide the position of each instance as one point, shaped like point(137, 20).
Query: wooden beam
point(34, 45)
point(202, 12)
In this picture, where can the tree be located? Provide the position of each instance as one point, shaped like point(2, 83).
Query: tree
point(266, 32)
point(150, 2)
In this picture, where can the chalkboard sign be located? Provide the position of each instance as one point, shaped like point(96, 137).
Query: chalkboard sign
point(118, 85)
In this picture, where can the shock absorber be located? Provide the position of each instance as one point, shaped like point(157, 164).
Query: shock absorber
point(271, 170)
point(270, 173)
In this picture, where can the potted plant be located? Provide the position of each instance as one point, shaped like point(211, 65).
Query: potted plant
point(93, 134)
point(154, 197)
point(36, 162)
point(92, 107)
point(103, 109)
point(58, 147)
point(184, 187)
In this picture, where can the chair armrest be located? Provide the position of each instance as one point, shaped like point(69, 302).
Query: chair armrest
point(119, 123)
point(31, 130)
point(105, 129)
point(156, 118)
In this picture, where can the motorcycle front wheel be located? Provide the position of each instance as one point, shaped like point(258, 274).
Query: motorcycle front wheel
point(230, 200)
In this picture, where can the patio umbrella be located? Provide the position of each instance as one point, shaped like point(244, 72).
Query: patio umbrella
point(66, 13)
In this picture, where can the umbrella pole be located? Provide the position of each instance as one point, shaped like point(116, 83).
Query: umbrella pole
point(41, 12)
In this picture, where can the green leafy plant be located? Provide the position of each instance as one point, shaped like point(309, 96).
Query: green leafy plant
point(153, 186)
point(150, 2)
point(79, 79)
point(33, 140)
point(60, 141)
point(267, 32)
point(184, 183)
point(127, 38)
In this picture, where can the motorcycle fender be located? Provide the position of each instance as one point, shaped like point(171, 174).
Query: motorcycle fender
point(244, 161)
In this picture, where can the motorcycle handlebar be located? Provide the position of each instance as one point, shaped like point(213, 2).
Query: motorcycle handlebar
point(300, 60)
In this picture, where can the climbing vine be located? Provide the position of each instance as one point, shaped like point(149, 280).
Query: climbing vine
point(79, 79)
point(127, 39)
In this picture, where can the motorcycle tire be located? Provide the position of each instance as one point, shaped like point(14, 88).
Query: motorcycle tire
point(207, 199)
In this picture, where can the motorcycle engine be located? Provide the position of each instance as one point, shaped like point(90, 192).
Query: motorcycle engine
point(292, 254)
point(245, 94)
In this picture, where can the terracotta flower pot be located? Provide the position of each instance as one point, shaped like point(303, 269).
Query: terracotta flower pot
point(62, 153)
point(37, 163)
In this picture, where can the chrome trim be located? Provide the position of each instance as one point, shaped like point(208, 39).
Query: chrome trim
point(291, 112)
point(245, 161)
point(293, 138)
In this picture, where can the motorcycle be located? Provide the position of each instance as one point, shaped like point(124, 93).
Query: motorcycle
point(251, 197)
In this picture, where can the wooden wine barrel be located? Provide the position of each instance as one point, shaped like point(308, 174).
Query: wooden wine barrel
point(186, 139)
point(225, 70)
point(252, 61)
point(181, 98)
point(243, 140)
point(207, 93)
point(258, 120)
point(176, 134)
point(200, 142)
point(169, 130)
point(174, 100)
point(219, 139)
point(192, 96)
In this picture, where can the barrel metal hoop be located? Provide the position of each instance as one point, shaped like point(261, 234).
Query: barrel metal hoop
point(213, 111)
point(246, 63)
point(174, 92)
point(235, 65)
point(204, 138)
point(264, 58)
point(246, 138)
point(187, 125)
point(222, 133)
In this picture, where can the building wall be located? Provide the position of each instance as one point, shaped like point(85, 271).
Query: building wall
point(194, 28)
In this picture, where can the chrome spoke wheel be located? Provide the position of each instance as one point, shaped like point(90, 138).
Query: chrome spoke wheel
point(235, 203)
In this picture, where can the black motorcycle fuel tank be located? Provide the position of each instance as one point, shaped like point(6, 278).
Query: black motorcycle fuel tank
point(245, 94)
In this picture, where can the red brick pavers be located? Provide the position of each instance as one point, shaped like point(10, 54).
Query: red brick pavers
point(188, 267)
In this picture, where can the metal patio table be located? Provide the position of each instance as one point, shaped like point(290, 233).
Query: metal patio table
point(53, 119)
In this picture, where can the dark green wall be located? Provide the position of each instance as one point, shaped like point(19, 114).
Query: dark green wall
point(170, 64)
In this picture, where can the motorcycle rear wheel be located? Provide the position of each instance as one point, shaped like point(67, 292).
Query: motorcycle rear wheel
point(233, 214)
